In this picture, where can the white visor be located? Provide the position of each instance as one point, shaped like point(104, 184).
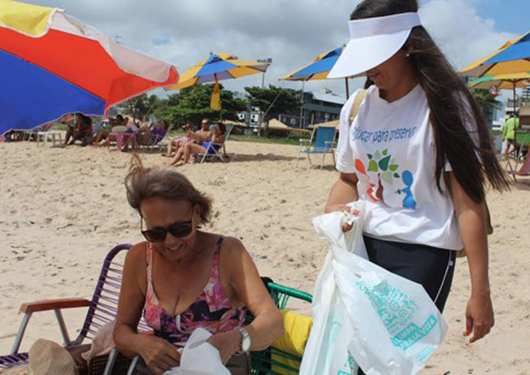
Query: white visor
point(373, 41)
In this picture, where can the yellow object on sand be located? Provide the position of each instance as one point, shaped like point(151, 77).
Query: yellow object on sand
point(294, 340)
point(32, 20)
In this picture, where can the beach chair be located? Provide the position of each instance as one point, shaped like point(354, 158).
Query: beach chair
point(159, 143)
point(285, 355)
point(518, 155)
point(324, 138)
point(212, 153)
point(523, 171)
point(102, 309)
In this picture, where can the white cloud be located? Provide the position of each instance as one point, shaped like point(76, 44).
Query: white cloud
point(292, 32)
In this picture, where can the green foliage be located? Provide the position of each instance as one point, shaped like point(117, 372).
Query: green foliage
point(485, 100)
point(141, 106)
point(191, 105)
point(273, 100)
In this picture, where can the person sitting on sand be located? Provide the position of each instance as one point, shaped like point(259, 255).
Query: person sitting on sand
point(210, 146)
point(182, 278)
point(81, 130)
point(198, 136)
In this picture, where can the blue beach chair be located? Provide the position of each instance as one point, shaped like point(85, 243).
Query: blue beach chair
point(324, 137)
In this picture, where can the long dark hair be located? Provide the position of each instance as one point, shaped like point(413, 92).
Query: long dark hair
point(451, 105)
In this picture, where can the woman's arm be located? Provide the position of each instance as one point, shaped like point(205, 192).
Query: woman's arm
point(216, 136)
point(157, 353)
point(343, 192)
point(472, 222)
point(267, 325)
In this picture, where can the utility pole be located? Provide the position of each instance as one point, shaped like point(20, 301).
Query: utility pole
point(267, 61)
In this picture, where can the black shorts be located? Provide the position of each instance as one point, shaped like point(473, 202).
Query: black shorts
point(431, 267)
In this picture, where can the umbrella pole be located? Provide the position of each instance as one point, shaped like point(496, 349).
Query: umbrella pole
point(514, 121)
point(302, 106)
point(347, 88)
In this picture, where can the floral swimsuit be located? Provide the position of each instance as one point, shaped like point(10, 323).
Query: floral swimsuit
point(212, 310)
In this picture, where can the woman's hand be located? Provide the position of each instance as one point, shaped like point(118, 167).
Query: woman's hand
point(345, 208)
point(228, 344)
point(158, 354)
point(479, 316)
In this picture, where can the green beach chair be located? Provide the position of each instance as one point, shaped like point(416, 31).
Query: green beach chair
point(278, 360)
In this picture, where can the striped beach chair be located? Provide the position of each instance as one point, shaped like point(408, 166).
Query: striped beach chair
point(102, 309)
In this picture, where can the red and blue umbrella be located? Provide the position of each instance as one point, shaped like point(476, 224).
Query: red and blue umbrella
point(53, 64)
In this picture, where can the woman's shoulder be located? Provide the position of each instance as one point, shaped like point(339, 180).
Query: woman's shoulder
point(232, 245)
point(232, 249)
point(136, 256)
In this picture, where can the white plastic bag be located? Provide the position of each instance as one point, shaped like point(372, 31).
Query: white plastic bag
point(199, 357)
point(388, 324)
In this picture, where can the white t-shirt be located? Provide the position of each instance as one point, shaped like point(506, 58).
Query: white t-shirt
point(391, 149)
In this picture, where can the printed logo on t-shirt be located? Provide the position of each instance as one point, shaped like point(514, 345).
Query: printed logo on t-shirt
point(384, 177)
point(387, 136)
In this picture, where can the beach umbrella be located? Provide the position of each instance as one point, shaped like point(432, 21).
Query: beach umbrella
point(218, 66)
point(512, 57)
point(53, 64)
point(501, 81)
point(318, 69)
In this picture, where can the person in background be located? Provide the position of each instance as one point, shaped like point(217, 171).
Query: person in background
point(198, 137)
point(508, 135)
point(210, 146)
point(105, 131)
point(81, 130)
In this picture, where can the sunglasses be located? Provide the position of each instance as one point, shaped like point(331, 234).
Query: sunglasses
point(180, 229)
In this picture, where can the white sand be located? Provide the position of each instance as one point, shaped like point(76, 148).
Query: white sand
point(61, 210)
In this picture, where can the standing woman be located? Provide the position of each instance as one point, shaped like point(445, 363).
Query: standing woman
point(419, 153)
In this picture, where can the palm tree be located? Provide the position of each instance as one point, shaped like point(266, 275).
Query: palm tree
point(485, 99)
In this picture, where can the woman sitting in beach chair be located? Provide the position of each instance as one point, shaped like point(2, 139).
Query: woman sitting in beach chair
point(210, 146)
point(183, 278)
point(198, 137)
point(104, 132)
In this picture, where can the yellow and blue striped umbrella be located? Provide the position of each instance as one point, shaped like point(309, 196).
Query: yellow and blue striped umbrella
point(218, 66)
point(318, 69)
point(512, 57)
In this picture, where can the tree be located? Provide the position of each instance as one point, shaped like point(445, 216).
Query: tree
point(141, 106)
point(485, 99)
point(193, 104)
point(272, 101)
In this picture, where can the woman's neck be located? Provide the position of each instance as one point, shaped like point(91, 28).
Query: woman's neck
point(405, 85)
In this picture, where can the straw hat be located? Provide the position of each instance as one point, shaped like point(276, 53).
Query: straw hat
point(49, 358)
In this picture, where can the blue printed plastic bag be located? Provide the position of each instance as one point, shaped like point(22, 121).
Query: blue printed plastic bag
point(383, 322)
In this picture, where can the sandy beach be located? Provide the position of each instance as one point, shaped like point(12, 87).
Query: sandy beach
point(61, 210)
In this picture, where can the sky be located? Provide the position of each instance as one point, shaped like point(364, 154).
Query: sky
point(291, 32)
